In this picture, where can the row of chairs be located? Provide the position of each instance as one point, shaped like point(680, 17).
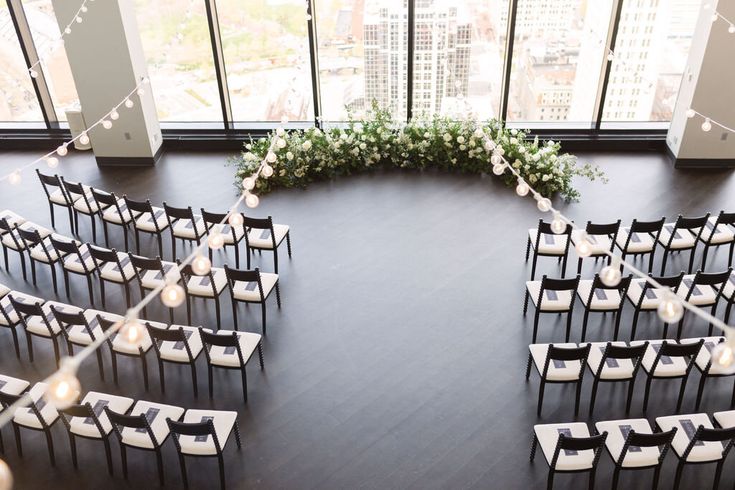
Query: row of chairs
point(141, 424)
point(556, 296)
point(633, 445)
point(176, 344)
point(109, 265)
point(618, 362)
point(640, 239)
point(183, 224)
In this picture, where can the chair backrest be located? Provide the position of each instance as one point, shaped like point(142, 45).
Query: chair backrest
point(544, 228)
point(78, 410)
point(195, 429)
point(73, 187)
point(6, 400)
point(64, 246)
point(234, 275)
point(5, 226)
point(672, 349)
point(593, 443)
point(690, 223)
point(647, 226)
point(100, 254)
point(703, 434)
point(566, 354)
point(726, 218)
point(610, 229)
point(258, 223)
point(138, 206)
point(712, 278)
point(211, 219)
point(30, 237)
point(68, 320)
point(145, 263)
point(554, 284)
point(622, 285)
point(178, 213)
point(633, 352)
point(103, 197)
point(661, 440)
point(51, 180)
point(138, 422)
point(26, 309)
point(160, 335)
point(212, 339)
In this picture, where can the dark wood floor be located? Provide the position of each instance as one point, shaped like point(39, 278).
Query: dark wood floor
point(397, 360)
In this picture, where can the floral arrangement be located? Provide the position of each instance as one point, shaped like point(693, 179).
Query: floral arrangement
point(440, 142)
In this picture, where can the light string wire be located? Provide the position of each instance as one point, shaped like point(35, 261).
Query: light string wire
point(615, 259)
point(71, 364)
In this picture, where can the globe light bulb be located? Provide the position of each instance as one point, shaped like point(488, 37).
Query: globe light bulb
point(723, 356)
point(132, 332)
point(79, 19)
point(140, 91)
point(201, 265)
point(715, 17)
point(558, 225)
point(129, 103)
point(216, 241)
point(706, 125)
point(610, 57)
point(84, 8)
point(731, 29)
point(62, 150)
point(496, 160)
point(610, 275)
point(172, 295)
point(583, 246)
point(106, 124)
point(498, 169)
point(52, 162)
point(248, 183)
point(670, 309)
point(522, 188)
point(6, 476)
point(281, 143)
point(14, 178)
point(266, 171)
point(236, 219)
point(114, 115)
point(543, 204)
point(252, 201)
point(63, 387)
point(67, 30)
point(34, 74)
point(84, 139)
point(691, 113)
point(270, 157)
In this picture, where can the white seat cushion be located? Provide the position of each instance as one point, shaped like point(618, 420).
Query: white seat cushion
point(702, 295)
point(552, 300)
point(12, 386)
point(686, 427)
point(27, 418)
point(682, 238)
point(152, 279)
point(176, 351)
point(602, 299)
point(39, 251)
point(202, 285)
point(73, 263)
point(639, 242)
point(248, 291)
point(728, 291)
point(156, 413)
point(184, 228)
point(4, 290)
point(111, 272)
point(146, 222)
point(725, 419)
point(223, 423)
point(36, 325)
point(57, 197)
point(558, 370)
point(617, 432)
point(667, 366)
point(13, 241)
point(614, 368)
point(85, 426)
point(8, 307)
point(705, 353)
point(81, 204)
point(226, 230)
point(549, 244)
point(227, 356)
point(717, 236)
point(11, 217)
point(600, 243)
point(30, 226)
point(259, 238)
point(635, 290)
point(111, 214)
point(548, 436)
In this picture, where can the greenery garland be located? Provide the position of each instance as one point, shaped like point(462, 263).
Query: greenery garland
point(440, 142)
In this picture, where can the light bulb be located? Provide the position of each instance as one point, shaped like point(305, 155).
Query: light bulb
point(498, 169)
point(129, 103)
point(723, 356)
point(78, 19)
point(267, 171)
point(84, 139)
point(670, 309)
point(281, 143)
point(52, 162)
point(201, 265)
point(691, 113)
point(132, 332)
point(106, 124)
point(236, 219)
point(216, 240)
point(715, 17)
point(6, 476)
point(610, 275)
point(583, 246)
point(114, 115)
point(62, 150)
point(706, 125)
point(67, 30)
point(543, 204)
point(248, 183)
point(84, 8)
point(731, 29)
point(172, 295)
point(557, 224)
point(14, 178)
point(522, 188)
point(252, 201)
point(146, 81)
point(140, 91)
point(308, 17)
point(496, 160)
point(610, 57)
point(63, 387)
point(34, 74)
point(270, 157)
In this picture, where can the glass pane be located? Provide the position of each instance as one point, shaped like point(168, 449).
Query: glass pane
point(458, 61)
point(45, 31)
point(266, 49)
point(178, 49)
point(552, 40)
point(17, 99)
point(651, 52)
point(363, 48)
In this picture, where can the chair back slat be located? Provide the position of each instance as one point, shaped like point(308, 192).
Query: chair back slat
point(178, 213)
point(138, 206)
point(242, 275)
point(554, 284)
point(26, 309)
point(191, 428)
point(258, 223)
point(219, 340)
point(641, 439)
point(602, 229)
point(568, 353)
point(166, 335)
point(671, 349)
point(626, 351)
point(689, 223)
point(581, 443)
point(647, 226)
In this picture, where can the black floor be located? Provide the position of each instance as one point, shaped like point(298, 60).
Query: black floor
point(397, 360)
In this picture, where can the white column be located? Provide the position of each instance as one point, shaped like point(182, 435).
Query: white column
point(107, 61)
point(707, 87)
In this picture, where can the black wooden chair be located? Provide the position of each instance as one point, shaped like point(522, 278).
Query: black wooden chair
point(669, 361)
point(262, 234)
point(115, 267)
point(554, 296)
point(703, 363)
point(602, 238)
point(75, 259)
point(558, 363)
point(78, 332)
point(207, 286)
point(719, 231)
point(232, 235)
point(545, 243)
point(184, 225)
point(597, 297)
point(681, 236)
point(646, 298)
point(10, 240)
point(204, 433)
point(230, 350)
point(9, 318)
point(151, 274)
point(86, 205)
point(56, 194)
point(40, 250)
point(118, 346)
point(252, 287)
point(38, 321)
point(177, 345)
point(147, 219)
point(113, 211)
point(703, 289)
point(614, 362)
point(640, 239)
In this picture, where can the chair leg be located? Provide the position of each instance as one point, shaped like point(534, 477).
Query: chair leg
point(194, 379)
point(102, 294)
point(217, 312)
point(221, 471)
point(100, 364)
point(584, 324)
point(161, 375)
point(677, 478)
point(533, 266)
point(237, 435)
point(535, 326)
point(691, 259)
point(29, 340)
point(534, 445)
point(275, 259)
point(33, 270)
point(263, 314)
point(541, 388)
point(244, 385)
point(528, 366)
point(576, 401)
point(53, 278)
point(288, 243)
point(645, 395)
point(124, 459)
point(234, 313)
point(579, 265)
point(634, 326)
point(718, 474)
point(631, 385)
point(160, 244)
point(53, 217)
point(550, 480)
point(700, 391)
point(173, 246)
point(525, 303)
point(260, 356)
point(108, 454)
point(618, 314)
point(663, 261)
point(528, 248)
point(159, 461)
point(50, 444)
point(569, 324)
point(114, 368)
point(656, 475)
point(182, 465)
point(210, 380)
point(144, 363)
point(681, 393)
point(66, 284)
point(704, 257)
point(15, 341)
point(73, 447)
point(18, 440)
point(91, 290)
point(564, 266)
point(593, 395)
point(105, 233)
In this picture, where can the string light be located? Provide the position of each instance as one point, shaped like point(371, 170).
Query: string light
point(132, 331)
point(216, 241)
point(63, 386)
point(236, 219)
point(52, 162)
point(84, 139)
point(201, 265)
point(522, 188)
point(558, 225)
point(670, 309)
point(267, 171)
point(248, 183)
point(15, 178)
point(723, 356)
point(172, 295)
point(543, 204)
point(252, 201)
point(610, 275)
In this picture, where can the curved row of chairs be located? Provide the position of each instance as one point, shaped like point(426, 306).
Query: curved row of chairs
point(703, 289)
point(618, 362)
point(175, 344)
point(110, 266)
point(141, 425)
point(142, 217)
point(633, 445)
point(640, 239)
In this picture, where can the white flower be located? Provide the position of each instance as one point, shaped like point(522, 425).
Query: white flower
point(280, 132)
point(355, 151)
point(517, 164)
point(478, 133)
point(462, 147)
point(514, 132)
point(289, 155)
point(427, 135)
point(282, 172)
point(521, 150)
point(546, 177)
point(472, 143)
point(306, 145)
point(447, 137)
point(532, 178)
point(337, 144)
point(536, 157)
point(358, 129)
point(343, 136)
point(248, 146)
point(553, 158)
point(460, 139)
point(363, 146)
point(550, 143)
point(513, 141)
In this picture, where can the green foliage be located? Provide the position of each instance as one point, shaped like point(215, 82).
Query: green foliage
point(439, 142)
